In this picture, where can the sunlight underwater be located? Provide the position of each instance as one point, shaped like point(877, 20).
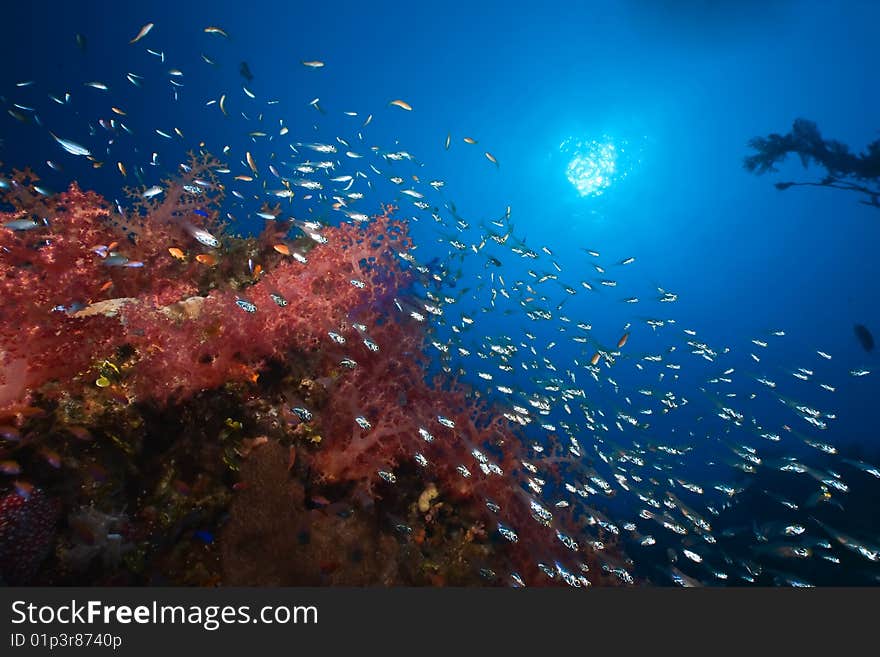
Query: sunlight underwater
point(331, 400)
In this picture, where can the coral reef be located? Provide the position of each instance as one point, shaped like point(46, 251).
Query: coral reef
point(215, 409)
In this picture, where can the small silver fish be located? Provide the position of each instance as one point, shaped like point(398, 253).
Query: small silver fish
point(21, 224)
point(119, 260)
point(71, 147)
point(202, 236)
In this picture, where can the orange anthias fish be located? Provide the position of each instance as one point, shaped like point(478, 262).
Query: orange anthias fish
point(144, 31)
point(52, 457)
point(282, 249)
point(10, 467)
point(206, 259)
point(177, 253)
point(622, 340)
point(24, 488)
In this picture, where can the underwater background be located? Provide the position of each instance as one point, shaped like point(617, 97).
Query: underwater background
point(614, 128)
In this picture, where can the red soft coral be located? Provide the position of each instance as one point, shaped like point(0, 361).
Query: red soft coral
point(204, 342)
point(52, 272)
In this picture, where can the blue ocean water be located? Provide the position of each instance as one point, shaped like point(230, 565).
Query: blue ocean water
point(678, 89)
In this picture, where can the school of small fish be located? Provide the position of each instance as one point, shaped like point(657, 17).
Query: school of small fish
point(657, 428)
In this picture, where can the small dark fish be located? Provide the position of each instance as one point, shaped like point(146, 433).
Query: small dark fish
point(10, 467)
point(246, 71)
point(204, 536)
point(97, 472)
point(10, 433)
point(864, 337)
